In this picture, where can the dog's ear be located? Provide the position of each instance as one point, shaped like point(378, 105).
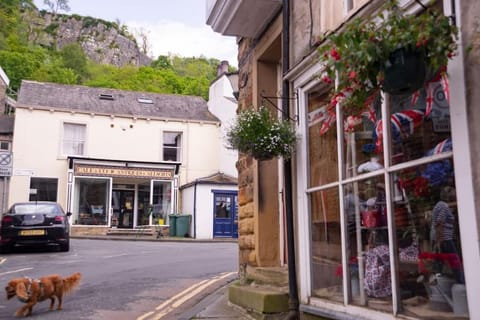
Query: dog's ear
point(10, 289)
point(21, 290)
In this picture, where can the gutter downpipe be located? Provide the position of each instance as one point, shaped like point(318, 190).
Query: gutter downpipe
point(292, 274)
point(195, 210)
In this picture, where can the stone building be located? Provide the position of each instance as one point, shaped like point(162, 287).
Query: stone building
point(311, 213)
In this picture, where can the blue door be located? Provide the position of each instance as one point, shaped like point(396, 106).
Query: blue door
point(225, 215)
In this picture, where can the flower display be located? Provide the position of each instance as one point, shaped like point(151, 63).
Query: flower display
point(358, 55)
point(259, 134)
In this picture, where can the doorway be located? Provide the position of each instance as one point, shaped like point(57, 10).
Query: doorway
point(225, 215)
point(122, 204)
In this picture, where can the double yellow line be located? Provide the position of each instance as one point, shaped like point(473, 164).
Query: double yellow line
point(177, 300)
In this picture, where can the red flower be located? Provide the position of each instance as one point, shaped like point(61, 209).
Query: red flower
point(334, 53)
point(352, 75)
point(326, 79)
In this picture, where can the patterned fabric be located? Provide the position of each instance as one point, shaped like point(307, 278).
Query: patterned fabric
point(377, 280)
point(441, 213)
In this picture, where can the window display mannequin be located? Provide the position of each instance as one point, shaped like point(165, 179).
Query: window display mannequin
point(443, 231)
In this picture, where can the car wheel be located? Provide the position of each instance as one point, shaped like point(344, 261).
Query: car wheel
point(6, 249)
point(65, 246)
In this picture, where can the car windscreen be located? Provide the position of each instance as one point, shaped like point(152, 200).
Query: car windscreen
point(33, 208)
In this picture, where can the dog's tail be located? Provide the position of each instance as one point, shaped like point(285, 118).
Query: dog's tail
point(71, 282)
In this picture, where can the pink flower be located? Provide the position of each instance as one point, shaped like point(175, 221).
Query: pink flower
point(352, 75)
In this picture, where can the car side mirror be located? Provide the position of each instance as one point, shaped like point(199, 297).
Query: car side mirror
point(68, 214)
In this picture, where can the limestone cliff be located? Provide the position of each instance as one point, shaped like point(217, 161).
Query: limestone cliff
point(102, 41)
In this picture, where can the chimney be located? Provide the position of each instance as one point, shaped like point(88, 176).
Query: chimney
point(222, 68)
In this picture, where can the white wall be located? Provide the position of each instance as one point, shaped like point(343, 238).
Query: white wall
point(222, 104)
point(204, 207)
point(38, 137)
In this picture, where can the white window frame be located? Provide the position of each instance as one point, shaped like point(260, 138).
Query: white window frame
point(179, 147)
point(303, 84)
point(63, 141)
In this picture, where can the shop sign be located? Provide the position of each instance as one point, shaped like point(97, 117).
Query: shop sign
point(123, 172)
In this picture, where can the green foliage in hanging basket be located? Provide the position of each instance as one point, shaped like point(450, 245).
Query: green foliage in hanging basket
point(259, 134)
point(359, 53)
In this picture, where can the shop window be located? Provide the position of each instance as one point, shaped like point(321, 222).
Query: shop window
point(411, 179)
point(172, 146)
point(74, 139)
point(91, 201)
point(43, 189)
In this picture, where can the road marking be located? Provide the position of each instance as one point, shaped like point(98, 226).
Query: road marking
point(14, 271)
point(117, 255)
point(2, 260)
point(183, 296)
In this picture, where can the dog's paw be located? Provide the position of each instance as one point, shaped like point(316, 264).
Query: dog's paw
point(18, 314)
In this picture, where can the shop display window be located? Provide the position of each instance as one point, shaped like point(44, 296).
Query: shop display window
point(398, 201)
point(90, 202)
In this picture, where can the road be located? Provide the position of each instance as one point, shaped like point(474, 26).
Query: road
point(137, 280)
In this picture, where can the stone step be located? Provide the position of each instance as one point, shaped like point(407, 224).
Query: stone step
point(266, 302)
point(130, 232)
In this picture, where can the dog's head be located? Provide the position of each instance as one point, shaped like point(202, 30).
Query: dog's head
point(16, 287)
point(11, 288)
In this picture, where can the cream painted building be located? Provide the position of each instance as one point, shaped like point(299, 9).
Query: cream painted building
point(113, 158)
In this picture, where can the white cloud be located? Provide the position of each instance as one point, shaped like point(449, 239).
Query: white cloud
point(167, 37)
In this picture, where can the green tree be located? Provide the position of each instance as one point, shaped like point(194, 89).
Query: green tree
point(21, 63)
point(162, 62)
point(57, 5)
point(74, 58)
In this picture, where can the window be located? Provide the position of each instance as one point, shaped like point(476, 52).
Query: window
point(410, 179)
point(74, 139)
point(43, 189)
point(4, 146)
point(91, 201)
point(172, 146)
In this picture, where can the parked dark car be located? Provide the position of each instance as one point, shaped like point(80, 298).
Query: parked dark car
point(35, 224)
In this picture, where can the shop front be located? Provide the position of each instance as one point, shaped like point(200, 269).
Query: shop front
point(383, 233)
point(121, 194)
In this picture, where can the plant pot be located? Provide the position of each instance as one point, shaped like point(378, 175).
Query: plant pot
point(404, 71)
point(262, 156)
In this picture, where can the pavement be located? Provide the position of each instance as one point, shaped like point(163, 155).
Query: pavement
point(215, 305)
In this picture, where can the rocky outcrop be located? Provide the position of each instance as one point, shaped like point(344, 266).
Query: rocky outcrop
point(102, 41)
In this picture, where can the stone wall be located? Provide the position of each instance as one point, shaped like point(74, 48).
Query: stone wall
point(246, 218)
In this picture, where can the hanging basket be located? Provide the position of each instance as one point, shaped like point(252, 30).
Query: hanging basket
point(262, 156)
point(404, 71)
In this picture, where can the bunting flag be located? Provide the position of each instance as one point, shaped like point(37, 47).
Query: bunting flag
point(370, 113)
point(402, 124)
point(442, 146)
point(351, 122)
point(429, 100)
point(415, 96)
point(327, 123)
point(445, 86)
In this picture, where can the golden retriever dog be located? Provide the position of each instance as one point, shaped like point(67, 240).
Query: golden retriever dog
point(32, 291)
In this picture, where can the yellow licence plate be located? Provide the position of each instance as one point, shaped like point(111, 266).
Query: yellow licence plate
point(32, 232)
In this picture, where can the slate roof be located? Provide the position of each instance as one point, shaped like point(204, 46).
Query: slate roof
point(48, 96)
point(218, 178)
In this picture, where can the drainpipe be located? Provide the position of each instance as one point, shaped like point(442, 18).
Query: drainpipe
point(292, 274)
point(195, 210)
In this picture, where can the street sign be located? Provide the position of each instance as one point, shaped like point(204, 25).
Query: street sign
point(5, 164)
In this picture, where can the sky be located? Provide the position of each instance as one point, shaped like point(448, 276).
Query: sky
point(172, 26)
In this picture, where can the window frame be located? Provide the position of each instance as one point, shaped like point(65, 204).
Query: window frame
point(178, 147)
point(41, 180)
point(63, 138)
